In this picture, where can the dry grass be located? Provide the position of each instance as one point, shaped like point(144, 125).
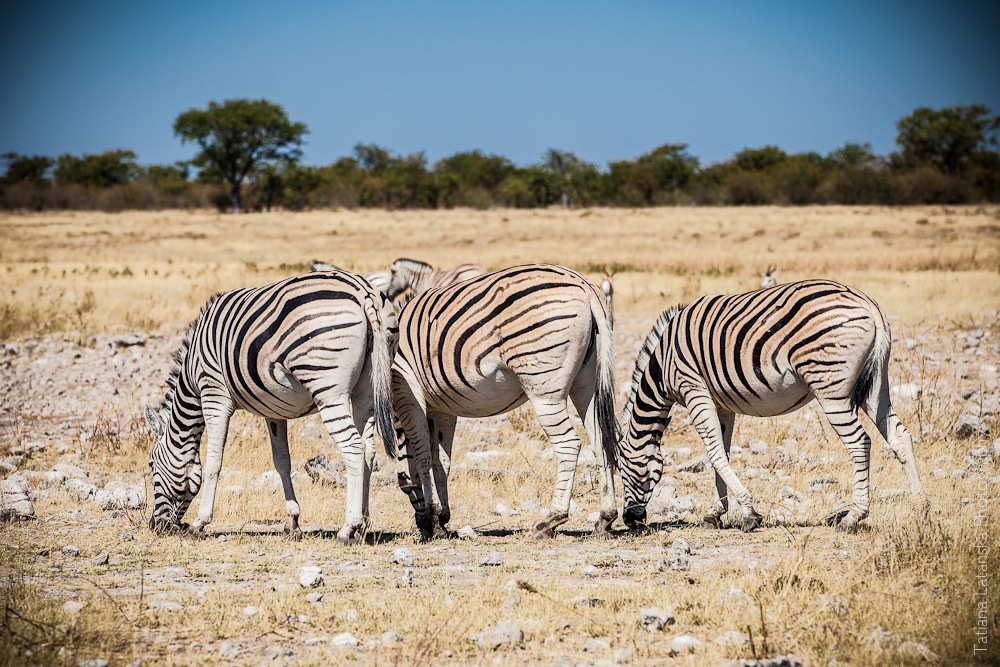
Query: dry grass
point(809, 590)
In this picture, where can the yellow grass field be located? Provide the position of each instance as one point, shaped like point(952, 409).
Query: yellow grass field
point(902, 591)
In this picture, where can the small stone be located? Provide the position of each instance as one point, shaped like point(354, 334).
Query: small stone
point(492, 559)
point(623, 654)
point(733, 596)
point(494, 636)
point(407, 579)
point(913, 650)
point(15, 499)
point(314, 598)
point(969, 426)
point(512, 601)
point(351, 615)
point(467, 533)
point(732, 639)
point(228, 650)
point(345, 639)
point(906, 390)
point(595, 644)
point(311, 576)
point(121, 496)
point(165, 605)
point(654, 620)
point(680, 546)
point(92, 662)
point(71, 550)
point(503, 510)
point(72, 607)
point(684, 644)
point(697, 464)
point(759, 447)
point(402, 556)
point(674, 561)
point(250, 611)
point(312, 641)
point(391, 637)
point(102, 559)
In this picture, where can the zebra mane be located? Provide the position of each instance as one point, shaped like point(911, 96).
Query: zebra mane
point(413, 264)
point(181, 354)
point(645, 352)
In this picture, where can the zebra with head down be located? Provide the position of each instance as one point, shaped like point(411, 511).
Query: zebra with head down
point(320, 341)
point(763, 353)
point(420, 276)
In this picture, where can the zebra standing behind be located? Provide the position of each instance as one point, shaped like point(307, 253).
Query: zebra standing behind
point(282, 351)
point(537, 333)
point(762, 353)
point(378, 279)
point(420, 276)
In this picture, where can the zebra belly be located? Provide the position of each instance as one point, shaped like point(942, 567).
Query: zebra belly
point(286, 397)
point(495, 391)
point(783, 393)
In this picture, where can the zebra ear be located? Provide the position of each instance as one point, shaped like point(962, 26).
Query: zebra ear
point(153, 421)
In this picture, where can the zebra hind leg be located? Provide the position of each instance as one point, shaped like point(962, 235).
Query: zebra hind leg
point(553, 416)
point(277, 429)
point(844, 420)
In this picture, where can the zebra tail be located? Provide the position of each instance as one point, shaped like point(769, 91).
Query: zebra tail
point(381, 356)
point(874, 364)
point(604, 412)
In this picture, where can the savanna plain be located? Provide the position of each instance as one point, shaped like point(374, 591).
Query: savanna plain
point(92, 306)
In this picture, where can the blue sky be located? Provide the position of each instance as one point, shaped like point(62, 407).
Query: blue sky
point(605, 80)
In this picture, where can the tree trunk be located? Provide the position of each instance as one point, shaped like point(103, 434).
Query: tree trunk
point(234, 194)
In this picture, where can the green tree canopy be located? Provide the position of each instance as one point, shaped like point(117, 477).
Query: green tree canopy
point(99, 170)
point(946, 138)
point(239, 137)
point(26, 168)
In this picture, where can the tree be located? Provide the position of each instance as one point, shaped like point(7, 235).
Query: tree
point(239, 137)
point(26, 168)
point(101, 170)
point(759, 159)
point(945, 139)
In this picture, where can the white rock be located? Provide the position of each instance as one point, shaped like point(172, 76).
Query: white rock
point(733, 596)
point(165, 605)
point(684, 644)
point(969, 426)
point(503, 510)
point(494, 636)
point(391, 637)
point(15, 499)
point(228, 650)
point(906, 390)
point(344, 639)
point(121, 496)
point(595, 644)
point(310, 576)
point(72, 607)
point(654, 620)
point(402, 556)
point(680, 546)
point(312, 641)
point(250, 611)
point(759, 447)
point(314, 598)
point(71, 550)
point(467, 533)
point(732, 639)
point(407, 579)
point(697, 464)
point(93, 662)
point(102, 559)
point(79, 489)
point(492, 559)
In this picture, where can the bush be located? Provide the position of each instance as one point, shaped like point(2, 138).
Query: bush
point(749, 189)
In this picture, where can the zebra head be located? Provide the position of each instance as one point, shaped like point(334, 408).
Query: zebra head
point(404, 275)
point(176, 474)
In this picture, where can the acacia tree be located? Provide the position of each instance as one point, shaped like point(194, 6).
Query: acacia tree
point(239, 137)
point(946, 139)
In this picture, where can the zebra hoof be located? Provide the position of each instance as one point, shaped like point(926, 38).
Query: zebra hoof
point(847, 525)
point(293, 535)
point(602, 529)
point(634, 518)
point(751, 522)
point(547, 528)
point(711, 521)
point(194, 533)
point(836, 518)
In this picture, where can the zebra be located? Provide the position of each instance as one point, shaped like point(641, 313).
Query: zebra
point(378, 279)
point(420, 276)
point(770, 278)
point(537, 333)
point(763, 353)
point(316, 341)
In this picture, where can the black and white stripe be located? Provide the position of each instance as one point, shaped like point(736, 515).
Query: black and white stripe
point(536, 333)
point(317, 341)
point(762, 353)
point(420, 276)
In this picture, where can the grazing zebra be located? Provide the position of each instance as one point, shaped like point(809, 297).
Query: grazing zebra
point(537, 333)
point(419, 276)
point(316, 341)
point(770, 279)
point(378, 279)
point(763, 353)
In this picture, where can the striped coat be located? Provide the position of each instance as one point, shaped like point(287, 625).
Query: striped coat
point(320, 341)
point(536, 333)
point(420, 276)
point(762, 353)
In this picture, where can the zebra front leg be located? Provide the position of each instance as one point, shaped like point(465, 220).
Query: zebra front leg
point(277, 429)
point(217, 416)
point(553, 417)
point(706, 420)
point(727, 420)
